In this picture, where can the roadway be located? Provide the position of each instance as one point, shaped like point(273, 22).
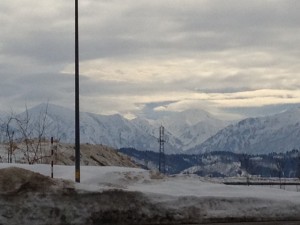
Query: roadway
point(256, 223)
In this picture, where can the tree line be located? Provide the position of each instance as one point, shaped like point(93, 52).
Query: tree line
point(265, 165)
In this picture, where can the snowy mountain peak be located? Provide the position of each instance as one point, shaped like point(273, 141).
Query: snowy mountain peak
point(276, 133)
point(192, 131)
point(188, 117)
point(183, 129)
point(289, 116)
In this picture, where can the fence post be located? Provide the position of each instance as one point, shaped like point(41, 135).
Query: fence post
point(52, 155)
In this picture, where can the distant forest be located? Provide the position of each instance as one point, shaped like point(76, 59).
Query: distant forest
point(265, 165)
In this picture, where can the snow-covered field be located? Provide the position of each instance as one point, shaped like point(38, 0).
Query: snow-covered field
point(135, 196)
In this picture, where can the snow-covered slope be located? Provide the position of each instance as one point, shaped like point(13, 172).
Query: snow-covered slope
point(276, 133)
point(183, 129)
point(119, 195)
point(188, 128)
point(190, 131)
point(110, 130)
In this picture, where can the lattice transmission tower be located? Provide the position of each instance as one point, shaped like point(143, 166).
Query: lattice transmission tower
point(161, 157)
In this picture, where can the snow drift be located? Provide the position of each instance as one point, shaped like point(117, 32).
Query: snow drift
point(119, 195)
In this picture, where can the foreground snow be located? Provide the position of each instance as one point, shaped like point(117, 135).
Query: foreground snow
point(181, 197)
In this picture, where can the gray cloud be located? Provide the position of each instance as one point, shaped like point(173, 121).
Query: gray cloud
point(175, 51)
point(261, 111)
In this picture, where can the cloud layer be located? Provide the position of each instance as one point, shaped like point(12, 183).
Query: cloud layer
point(211, 54)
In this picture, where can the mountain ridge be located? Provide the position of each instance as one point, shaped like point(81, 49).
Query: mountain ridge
point(190, 132)
point(274, 133)
point(117, 131)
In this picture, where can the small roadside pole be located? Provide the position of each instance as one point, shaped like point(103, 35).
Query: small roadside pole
point(52, 155)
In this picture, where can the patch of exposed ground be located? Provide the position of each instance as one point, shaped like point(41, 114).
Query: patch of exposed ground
point(14, 180)
point(64, 154)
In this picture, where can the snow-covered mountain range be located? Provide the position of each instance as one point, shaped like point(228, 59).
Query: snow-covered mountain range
point(275, 133)
point(191, 131)
point(183, 129)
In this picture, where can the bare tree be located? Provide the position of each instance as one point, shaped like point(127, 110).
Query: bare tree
point(32, 132)
point(10, 135)
point(8, 131)
point(56, 132)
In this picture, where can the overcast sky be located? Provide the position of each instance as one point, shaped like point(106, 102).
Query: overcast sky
point(234, 58)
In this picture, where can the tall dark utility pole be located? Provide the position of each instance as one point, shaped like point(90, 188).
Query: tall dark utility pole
point(77, 116)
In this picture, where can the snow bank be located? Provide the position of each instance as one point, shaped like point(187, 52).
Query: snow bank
point(119, 195)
